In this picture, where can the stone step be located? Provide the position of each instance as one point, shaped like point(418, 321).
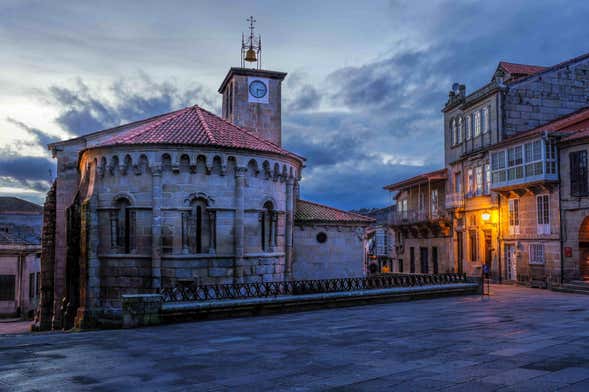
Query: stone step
point(573, 288)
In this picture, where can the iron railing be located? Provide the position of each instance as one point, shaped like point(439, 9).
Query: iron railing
point(298, 287)
point(410, 217)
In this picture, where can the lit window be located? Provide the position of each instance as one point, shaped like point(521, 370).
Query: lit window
point(536, 253)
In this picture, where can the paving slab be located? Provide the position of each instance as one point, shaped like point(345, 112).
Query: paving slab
point(518, 339)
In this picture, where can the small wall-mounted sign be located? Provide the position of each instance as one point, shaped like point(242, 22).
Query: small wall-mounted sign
point(568, 251)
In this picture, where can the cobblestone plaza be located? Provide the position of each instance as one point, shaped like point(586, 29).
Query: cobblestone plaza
point(518, 339)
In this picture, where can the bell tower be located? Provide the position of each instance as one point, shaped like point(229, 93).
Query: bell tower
point(252, 96)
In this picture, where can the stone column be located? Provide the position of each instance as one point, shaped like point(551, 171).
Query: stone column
point(212, 231)
point(185, 244)
point(90, 303)
point(156, 227)
point(239, 226)
point(289, 223)
point(45, 307)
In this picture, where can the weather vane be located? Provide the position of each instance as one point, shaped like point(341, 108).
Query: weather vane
point(251, 51)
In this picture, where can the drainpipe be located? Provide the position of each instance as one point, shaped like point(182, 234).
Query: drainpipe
point(561, 216)
point(499, 251)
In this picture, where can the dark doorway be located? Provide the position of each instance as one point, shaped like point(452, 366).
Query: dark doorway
point(400, 265)
point(460, 244)
point(488, 250)
point(412, 260)
point(435, 259)
point(424, 260)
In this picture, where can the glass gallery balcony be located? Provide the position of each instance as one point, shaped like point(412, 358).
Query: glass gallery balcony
point(524, 165)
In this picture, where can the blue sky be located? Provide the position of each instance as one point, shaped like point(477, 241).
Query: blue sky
point(362, 99)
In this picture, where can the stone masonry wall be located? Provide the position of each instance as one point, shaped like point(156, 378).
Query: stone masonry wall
point(340, 256)
point(45, 309)
point(128, 174)
point(575, 211)
point(532, 274)
point(542, 98)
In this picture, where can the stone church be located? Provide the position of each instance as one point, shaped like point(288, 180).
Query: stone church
point(181, 198)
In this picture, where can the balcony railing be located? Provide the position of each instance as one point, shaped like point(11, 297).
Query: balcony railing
point(411, 217)
point(454, 200)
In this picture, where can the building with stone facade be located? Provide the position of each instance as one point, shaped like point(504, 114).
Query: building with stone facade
point(186, 197)
point(421, 224)
point(20, 251)
point(501, 155)
point(573, 147)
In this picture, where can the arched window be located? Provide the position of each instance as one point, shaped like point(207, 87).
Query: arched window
point(199, 232)
point(122, 226)
point(268, 219)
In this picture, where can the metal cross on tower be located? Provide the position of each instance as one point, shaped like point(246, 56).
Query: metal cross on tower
point(251, 51)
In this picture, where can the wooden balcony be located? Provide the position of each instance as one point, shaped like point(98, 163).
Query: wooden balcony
point(454, 201)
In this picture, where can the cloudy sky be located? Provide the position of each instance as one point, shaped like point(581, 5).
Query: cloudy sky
point(362, 100)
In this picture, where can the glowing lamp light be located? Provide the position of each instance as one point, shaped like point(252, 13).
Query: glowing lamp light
point(486, 216)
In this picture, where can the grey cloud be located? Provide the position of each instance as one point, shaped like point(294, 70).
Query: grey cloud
point(84, 110)
point(43, 138)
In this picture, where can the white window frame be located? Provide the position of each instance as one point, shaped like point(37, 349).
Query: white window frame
point(459, 135)
point(515, 163)
point(543, 214)
point(477, 123)
point(537, 254)
point(470, 182)
point(533, 159)
point(513, 216)
point(487, 188)
point(453, 132)
point(479, 183)
point(485, 120)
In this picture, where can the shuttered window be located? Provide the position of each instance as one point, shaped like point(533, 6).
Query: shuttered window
point(578, 168)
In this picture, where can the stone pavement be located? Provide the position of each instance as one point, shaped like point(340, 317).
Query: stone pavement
point(14, 326)
point(520, 339)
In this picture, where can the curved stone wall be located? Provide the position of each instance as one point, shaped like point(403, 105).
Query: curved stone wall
point(159, 186)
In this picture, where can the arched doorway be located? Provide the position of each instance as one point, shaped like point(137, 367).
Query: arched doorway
point(584, 249)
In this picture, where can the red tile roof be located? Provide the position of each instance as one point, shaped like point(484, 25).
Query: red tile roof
point(14, 205)
point(520, 69)
point(192, 125)
point(441, 174)
point(307, 211)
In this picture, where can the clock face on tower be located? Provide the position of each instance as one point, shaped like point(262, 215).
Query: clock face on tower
point(257, 89)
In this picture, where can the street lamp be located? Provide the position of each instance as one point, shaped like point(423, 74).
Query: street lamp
point(486, 216)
